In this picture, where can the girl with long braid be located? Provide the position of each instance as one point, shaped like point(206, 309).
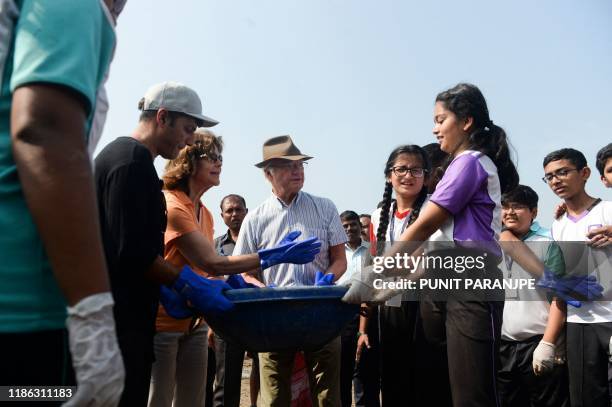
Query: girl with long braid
point(405, 175)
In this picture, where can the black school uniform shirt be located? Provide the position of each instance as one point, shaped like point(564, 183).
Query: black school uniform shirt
point(133, 221)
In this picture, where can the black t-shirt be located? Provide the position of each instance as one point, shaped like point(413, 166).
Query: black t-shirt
point(133, 221)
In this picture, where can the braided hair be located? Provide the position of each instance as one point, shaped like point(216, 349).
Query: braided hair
point(465, 100)
point(388, 205)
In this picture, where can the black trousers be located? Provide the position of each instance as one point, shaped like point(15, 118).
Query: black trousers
point(137, 352)
point(587, 361)
point(211, 370)
point(520, 387)
point(348, 340)
point(229, 360)
point(366, 380)
point(36, 359)
point(472, 332)
point(414, 366)
point(397, 353)
point(431, 366)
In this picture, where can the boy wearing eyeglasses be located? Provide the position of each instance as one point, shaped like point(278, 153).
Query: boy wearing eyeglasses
point(589, 328)
point(532, 351)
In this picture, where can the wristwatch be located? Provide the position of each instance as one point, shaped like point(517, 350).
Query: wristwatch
point(359, 333)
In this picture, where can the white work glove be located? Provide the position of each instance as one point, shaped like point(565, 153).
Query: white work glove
point(543, 357)
point(95, 353)
point(362, 289)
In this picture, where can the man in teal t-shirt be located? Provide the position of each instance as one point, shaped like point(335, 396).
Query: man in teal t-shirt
point(54, 59)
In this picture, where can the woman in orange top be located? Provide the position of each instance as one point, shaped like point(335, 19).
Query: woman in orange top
point(179, 371)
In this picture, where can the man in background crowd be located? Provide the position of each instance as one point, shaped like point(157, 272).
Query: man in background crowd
point(365, 220)
point(359, 368)
point(228, 357)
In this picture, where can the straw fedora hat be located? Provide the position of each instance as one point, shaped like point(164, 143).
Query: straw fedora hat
point(281, 147)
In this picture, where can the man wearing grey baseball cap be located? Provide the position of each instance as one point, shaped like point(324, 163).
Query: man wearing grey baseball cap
point(133, 220)
point(178, 98)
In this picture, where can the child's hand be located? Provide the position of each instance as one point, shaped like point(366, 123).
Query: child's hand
point(600, 236)
point(210, 337)
point(362, 341)
point(560, 210)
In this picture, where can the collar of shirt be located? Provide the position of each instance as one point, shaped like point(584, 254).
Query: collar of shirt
point(354, 261)
point(363, 245)
point(402, 215)
point(224, 245)
point(536, 230)
point(282, 204)
point(227, 238)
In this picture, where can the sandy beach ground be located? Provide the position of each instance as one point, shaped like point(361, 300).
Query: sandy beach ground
point(244, 387)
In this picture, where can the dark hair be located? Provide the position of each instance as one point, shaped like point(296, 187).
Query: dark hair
point(381, 203)
point(146, 115)
point(574, 156)
point(435, 154)
point(522, 194)
point(465, 100)
point(233, 196)
point(603, 156)
point(365, 215)
point(387, 201)
point(438, 160)
point(349, 215)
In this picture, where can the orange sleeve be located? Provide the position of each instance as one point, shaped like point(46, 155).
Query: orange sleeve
point(181, 220)
point(208, 228)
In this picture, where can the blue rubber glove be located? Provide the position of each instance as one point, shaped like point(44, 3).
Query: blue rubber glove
point(174, 305)
point(567, 287)
point(290, 237)
point(203, 294)
point(290, 251)
point(236, 281)
point(323, 279)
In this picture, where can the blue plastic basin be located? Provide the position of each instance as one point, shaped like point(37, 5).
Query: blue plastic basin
point(277, 319)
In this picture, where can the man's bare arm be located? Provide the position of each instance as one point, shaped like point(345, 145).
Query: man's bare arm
point(49, 147)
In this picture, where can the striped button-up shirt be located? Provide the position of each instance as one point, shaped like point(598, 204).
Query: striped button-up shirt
point(267, 224)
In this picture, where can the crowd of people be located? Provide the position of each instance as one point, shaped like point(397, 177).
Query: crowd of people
point(109, 273)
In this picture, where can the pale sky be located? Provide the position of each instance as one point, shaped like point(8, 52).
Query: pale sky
point(350, 80)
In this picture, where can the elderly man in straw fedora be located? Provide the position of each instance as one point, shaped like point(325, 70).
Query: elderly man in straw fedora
point(290, 208)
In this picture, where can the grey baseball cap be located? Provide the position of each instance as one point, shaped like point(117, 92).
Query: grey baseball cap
point(176, 97)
